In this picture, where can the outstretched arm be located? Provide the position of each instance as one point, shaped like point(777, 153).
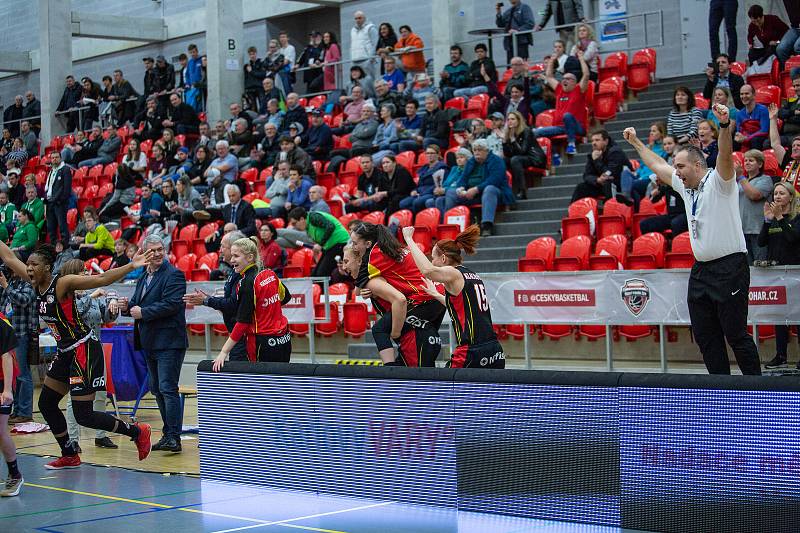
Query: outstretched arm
point(71, 282)
point(658, 165)
point(724, 143)
point(447, 274)
point(8, 258)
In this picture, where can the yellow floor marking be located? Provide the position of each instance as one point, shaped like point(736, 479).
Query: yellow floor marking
point(257, 521)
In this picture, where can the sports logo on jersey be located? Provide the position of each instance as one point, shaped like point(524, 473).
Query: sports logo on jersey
point(50, 298)
point(635, 293)
point(99, 382)
point(75, 380)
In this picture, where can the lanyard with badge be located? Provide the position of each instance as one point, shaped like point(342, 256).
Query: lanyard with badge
point(695, 194)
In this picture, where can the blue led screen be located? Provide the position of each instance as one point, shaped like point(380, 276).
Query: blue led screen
point(645, 458)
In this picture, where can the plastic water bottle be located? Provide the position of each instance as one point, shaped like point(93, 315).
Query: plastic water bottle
point(556, 159)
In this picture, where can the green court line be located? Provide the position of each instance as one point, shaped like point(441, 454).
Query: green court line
point(95, 504)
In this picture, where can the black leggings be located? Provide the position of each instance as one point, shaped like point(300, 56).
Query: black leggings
point(85, 415)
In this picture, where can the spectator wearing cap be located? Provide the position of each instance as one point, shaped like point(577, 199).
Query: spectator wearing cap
point(182, 164)
point(318, 141)
point(312, 58)
point(295, 112)
point(296, 132)
point(419, 88)
point(483, 181)
point(181, 117)
point(295, 155)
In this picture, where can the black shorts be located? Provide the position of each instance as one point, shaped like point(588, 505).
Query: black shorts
point(6, 409)
point(419, 343)
point(274, 348)
point(82, 369)
point(485, 355)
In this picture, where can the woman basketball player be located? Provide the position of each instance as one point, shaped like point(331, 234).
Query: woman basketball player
point(78, 367)
point(386, 264)
point(464, 297)
point(261, 295)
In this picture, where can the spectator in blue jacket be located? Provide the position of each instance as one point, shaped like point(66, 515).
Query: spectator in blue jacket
point(299, 186)
point(752, 121)
point(318, 141)
point(151, 205)
point(431, 177)
point(482, 182)
point(452, 180)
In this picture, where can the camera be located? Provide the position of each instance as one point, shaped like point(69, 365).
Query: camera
point(499, 5)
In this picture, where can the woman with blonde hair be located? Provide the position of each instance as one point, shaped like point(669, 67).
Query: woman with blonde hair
point(780, 234)
point(722, 95)
point(585, 42)
point(521, 150)
point(259, 317)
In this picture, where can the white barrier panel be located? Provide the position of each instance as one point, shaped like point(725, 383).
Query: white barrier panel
point(628, 297)
point(300, 310)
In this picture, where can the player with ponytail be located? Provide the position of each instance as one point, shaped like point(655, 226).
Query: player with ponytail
point(464, 296)
point(259, 317)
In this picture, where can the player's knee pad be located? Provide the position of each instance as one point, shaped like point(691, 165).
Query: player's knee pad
point(48, 406)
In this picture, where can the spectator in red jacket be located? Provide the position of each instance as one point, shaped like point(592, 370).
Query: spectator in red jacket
point(763, 34)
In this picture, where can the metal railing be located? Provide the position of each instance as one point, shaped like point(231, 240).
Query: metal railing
point(593, 23)
point(340, 82)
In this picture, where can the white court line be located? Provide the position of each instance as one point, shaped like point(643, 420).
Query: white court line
point(329, 513)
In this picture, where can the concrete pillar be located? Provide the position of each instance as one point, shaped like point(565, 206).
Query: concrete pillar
point(224, 41)
point(443, 13)
point(55, 61)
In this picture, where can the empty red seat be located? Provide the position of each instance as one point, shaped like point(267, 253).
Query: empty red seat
point(456, 220)
point(331, 326)
point(574, 254)
point(769, 94)
point(539, 255)
point(186, 264)
point(648, 252)
point(581, 218)
point(375, 217)
point(610, 253)
point(681, 255)
point(303, 259)
point(615, 220)
point(355, 319)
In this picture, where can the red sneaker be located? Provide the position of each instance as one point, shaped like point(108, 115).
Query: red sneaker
point(143, 440)
point(65, 461)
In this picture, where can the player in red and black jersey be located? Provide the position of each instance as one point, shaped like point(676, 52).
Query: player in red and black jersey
point(78, 365)
point(389, 272)
point(261, 295)
point(465, 298)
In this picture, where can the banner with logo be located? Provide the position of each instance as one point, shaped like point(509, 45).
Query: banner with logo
point(628, 297)
point(613, 24)
point(299, 310)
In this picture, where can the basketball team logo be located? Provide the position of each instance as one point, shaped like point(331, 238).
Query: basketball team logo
point(635, 293)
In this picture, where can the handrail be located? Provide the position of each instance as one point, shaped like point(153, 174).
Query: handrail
point(591, 22)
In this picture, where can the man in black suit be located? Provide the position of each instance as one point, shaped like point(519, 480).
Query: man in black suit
point(721, 76)
point(58, 189)
point(239, 212)
point(181, 117)
point(160, 331)
point(228, 303)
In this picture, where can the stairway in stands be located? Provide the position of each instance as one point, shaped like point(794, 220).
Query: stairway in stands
point(547, 203)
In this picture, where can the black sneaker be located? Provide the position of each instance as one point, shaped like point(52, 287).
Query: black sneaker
point(160, 444)
point(171, 445)
point(777, 362)
point(486, 229)
point(105, 442)
point(621, 198)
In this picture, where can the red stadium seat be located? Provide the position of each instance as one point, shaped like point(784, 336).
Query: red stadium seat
point(186, 264)
point(293, 272)
point(555, 331)
point(648, 252)
point(769, 94)
point(356, 319)
point(681, 255)
point(183, 244)
point(455, 103)
point(539, 255)
point(759, 80)
point(406, 159)
point(303, 259)
point(701, 102)
point(574, 254)
point(72, 219)
point(738, 68)
point(605, 106)
point(428, 219)
point(616, 64)
point(403, 217)
point(375, 217)
point(616, 219)
point(581, 217)
point(611, 253)
point(633, 332)
point(318, 101)
point(639, 73)
point(347, 219)
point(329, 328)
point(456, 220)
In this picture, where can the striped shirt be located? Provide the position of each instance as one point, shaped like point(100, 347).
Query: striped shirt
point(683, 123)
